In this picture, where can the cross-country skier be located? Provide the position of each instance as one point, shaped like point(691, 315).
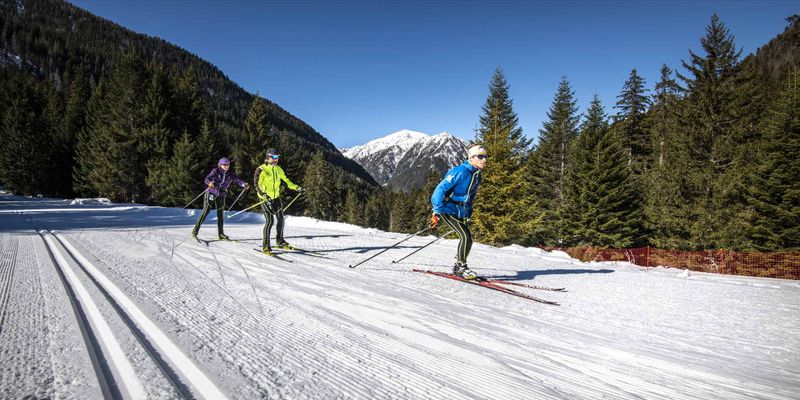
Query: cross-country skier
point(452, 202)
point(267, 180)
point(218, 181)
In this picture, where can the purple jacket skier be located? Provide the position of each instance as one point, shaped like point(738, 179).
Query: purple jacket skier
point(218, 181)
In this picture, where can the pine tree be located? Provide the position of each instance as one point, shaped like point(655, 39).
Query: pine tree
point(354, 208)
point(548, 165)
point(774, 192)
point(73, 123)
point(115, 160)
point(25, 146)
point(176, 185)
point(320, 195)
point(714, 123)
point(376, 211)
point(665, 203)
point(90, 147)
point(601, 199)
point(632, 104)
point(249, 153)
point(499, 116)
point(501, 215)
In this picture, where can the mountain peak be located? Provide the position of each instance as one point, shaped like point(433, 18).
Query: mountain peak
point(402, 159)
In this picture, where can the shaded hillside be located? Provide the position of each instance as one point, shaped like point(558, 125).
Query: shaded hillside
point(58, 42)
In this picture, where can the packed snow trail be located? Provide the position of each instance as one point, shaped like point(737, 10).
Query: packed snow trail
point(308, 327)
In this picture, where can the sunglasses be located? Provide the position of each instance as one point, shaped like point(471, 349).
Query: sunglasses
point(481, 156)
point(274, 157)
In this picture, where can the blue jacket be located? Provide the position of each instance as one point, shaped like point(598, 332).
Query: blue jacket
point(456, 192)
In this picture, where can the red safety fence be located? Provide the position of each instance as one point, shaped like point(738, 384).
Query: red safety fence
point(771, 265)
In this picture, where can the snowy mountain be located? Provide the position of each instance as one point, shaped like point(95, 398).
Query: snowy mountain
point(401, 160)
point(97, 297)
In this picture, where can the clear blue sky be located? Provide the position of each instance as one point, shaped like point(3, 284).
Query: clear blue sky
point(358, 70)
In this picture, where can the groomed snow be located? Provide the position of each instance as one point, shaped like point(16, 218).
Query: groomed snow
point(309, 327)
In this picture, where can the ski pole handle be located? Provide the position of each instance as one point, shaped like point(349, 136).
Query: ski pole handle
point(390, 247)
point(195, 199)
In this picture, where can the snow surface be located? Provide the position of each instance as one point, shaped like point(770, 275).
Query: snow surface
point(309, 327)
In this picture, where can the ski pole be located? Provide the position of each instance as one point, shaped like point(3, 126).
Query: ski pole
point(290, 203)
point(390, 247)
point(417, 250)
point(237, 198)
point(248, 208)
point(195, 199)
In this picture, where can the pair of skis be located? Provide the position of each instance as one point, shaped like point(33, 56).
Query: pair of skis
point(499, 285)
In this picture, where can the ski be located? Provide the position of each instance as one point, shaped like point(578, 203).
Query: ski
point(273, 255)
point(505, 282)
point(488, 285)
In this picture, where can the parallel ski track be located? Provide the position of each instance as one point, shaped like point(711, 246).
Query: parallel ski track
point(285, 350)
point(184, 377)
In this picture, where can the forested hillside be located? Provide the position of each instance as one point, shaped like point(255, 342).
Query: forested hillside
point(92, 108)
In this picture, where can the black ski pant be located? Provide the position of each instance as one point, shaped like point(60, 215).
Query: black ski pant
point(211, 201)
point(273, 212)
point(461, 228)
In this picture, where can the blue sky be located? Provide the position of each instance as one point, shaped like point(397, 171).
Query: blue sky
point(358, 70)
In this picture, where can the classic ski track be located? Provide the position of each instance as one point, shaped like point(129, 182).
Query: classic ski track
point(553, 370)
point(268, 372)
point(177, 369)
point(23, 319)
point(345, 355)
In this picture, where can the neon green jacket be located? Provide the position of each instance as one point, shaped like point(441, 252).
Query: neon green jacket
point(267, 180)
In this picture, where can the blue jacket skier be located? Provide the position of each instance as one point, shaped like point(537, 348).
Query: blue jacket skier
point(452, 202)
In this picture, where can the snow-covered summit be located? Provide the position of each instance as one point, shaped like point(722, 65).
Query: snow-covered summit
point(408, 153)
point(402, 140)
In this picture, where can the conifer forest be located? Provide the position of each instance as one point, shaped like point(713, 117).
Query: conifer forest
point(707, 157)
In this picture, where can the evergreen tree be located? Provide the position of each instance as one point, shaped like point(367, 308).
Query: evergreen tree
point(320, 195)
point(501, 215)
point(499, 116)
point(59, 180)
point(175, 185)
point(90, 147)
point(114, 157)
point(25, 142)
point(665, 203)
point(548, 165)
point(422, 205)
point(714, 125)
point(775, 190)
point(73, 123)
point(632, 104)
point(376, 212)
point(249, 153)
point(602, 203)
point(354, 208)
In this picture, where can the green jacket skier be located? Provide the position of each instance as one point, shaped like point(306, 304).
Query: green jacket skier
point(267, 179)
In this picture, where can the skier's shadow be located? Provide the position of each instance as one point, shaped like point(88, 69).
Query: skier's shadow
point(530, 275)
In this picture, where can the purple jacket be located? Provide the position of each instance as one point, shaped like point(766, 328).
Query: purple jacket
point(222, 180)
